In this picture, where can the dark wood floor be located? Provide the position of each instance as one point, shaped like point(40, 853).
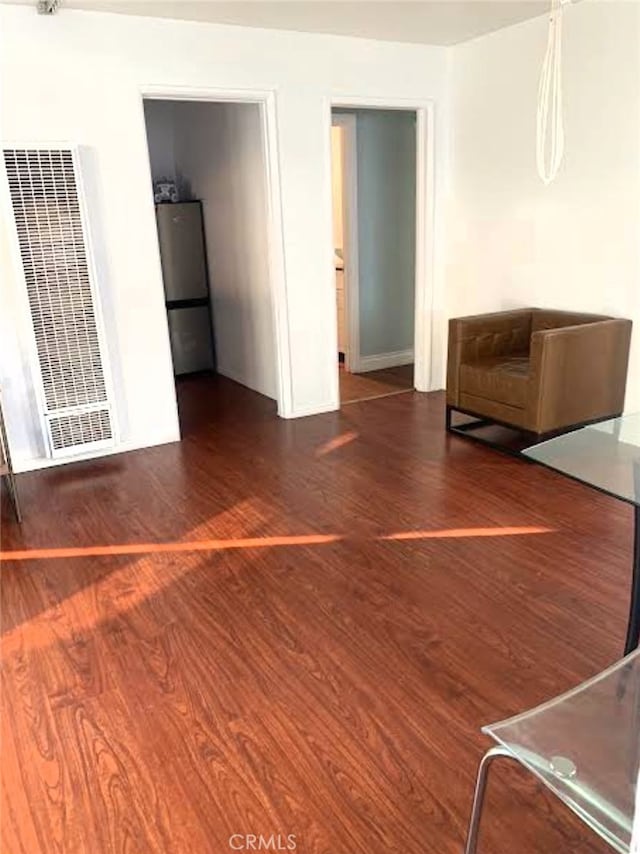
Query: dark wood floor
point(372, 384)
point(176, 691)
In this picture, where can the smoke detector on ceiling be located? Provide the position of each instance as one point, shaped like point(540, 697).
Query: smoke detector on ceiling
point(47, 7)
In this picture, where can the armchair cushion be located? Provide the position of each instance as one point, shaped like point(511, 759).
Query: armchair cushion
point(501, 378)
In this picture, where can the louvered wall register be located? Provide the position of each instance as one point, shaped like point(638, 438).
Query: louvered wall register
point(45, 190)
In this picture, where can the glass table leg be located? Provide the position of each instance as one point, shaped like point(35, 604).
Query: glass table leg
point(633, 627)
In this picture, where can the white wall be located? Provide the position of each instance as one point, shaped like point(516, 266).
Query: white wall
point(576, 243)
point(386, 155)
point(220, 151)
point(160, 120)
point(79, 76)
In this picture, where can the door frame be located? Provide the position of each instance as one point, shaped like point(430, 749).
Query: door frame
point(266, 101)
point(350, 236)
point(425, 218)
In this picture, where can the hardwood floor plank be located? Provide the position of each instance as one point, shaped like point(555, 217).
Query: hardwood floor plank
point(161, 700)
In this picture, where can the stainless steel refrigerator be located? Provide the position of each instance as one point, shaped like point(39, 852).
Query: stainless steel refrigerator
point(186, 286)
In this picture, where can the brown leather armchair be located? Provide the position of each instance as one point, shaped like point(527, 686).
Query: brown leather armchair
point(538, 370)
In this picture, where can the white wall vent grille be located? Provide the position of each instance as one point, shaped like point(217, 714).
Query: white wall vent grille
point(46, 195)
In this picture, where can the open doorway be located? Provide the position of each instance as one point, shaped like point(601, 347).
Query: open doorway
point(210, 183)
point(374, 179)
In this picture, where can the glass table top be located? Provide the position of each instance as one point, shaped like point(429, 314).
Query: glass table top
point(604, 455)
point(585, 746)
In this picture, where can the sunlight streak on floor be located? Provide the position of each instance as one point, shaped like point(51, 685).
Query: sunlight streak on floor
point(337, 442)
point(189, 546)
point(458, 533)
point(124, 549)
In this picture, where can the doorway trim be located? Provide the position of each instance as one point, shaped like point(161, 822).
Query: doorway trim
point(425, 219)
point(350, 235)
point(266, 101)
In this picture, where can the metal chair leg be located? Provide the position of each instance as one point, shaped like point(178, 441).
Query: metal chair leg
point(478, 797)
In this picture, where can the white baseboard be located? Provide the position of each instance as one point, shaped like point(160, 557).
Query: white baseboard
point(22, 465)
point(382, 360)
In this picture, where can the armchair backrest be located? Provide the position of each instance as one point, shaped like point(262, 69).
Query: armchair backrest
point(544, 318)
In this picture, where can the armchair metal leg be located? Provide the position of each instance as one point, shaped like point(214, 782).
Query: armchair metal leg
point(478, 797)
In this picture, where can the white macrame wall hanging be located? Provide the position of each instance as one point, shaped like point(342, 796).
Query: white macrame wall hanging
point(549, 124)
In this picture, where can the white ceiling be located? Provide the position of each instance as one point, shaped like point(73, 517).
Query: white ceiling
point(440, 22)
